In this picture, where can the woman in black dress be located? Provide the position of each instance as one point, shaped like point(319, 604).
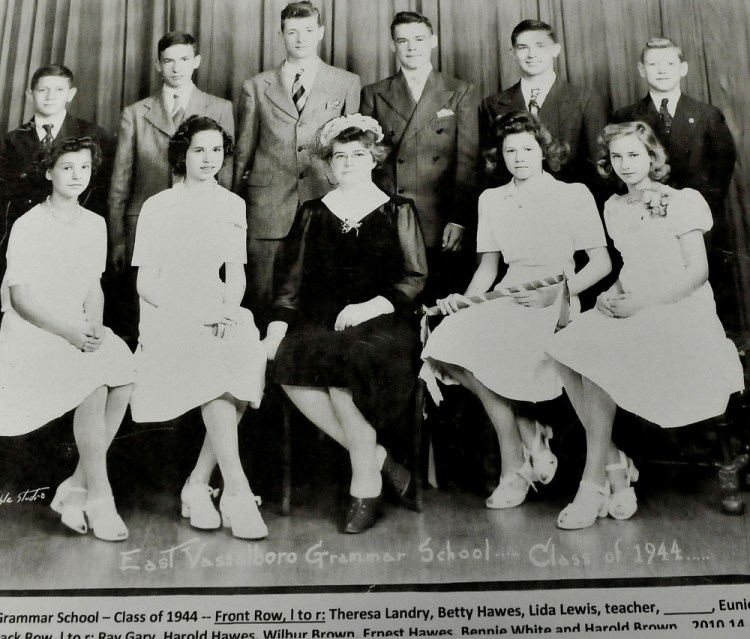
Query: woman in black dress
point(353, 265)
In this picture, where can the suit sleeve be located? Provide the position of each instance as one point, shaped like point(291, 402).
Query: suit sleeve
point(595, 116)
point(467, 147)
point(247, 136)
point(226, 120)
point(486, 125)
point(367, 102)
point(720, 158)
point(122, 177)
point(352, 96)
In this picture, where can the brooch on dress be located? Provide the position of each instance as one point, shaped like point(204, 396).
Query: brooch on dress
point(655, 202)
point(348, 225)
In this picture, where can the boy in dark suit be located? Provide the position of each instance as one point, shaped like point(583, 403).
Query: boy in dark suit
point(22, 184)
point(571, 114)
point(699, 146)
point(430, 120)
point(274, 171)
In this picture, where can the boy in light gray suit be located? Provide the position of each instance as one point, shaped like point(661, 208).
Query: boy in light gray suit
point(274, 170)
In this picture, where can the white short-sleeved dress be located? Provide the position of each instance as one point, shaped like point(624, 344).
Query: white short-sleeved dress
point(537, 230)
point(672, 364)
point(42, 375)
point(188, 234)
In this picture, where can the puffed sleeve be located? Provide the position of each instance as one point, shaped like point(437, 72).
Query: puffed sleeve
point(235, 245)
point(148, 238)
point(291, 268)
point(414, 271)
point(585, 224)
point(689, 211)
point(486, 241)
point(23, 260)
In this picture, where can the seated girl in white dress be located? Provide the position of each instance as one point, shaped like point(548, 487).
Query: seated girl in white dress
point(197, 347)
point(654, 344)
point(55, 353)
point(495, 348)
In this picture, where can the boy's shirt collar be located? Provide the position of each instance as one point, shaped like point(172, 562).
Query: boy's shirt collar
point(417, 78)
point(169, 93)
point(310, 72)
point(56, 121)
point(672, 98)
point(543, 83)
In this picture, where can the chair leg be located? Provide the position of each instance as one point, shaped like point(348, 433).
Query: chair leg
point(286, 460)
point(418, 443)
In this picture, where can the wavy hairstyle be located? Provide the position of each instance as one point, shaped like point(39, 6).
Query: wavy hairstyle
point(367, 139)
point(659, 167)
point(49, 157)
point(554, 152)
point(180, 141)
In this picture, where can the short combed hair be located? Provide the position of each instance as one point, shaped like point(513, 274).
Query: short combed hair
point(659, 167)
point(174, 38)
point(57, 70)
point(531, 25)
point(367, 139)
point(409, 17)
point(49, 157)
point(554, 152)
point(180, 141)
point(302, 9)
point(661, 43)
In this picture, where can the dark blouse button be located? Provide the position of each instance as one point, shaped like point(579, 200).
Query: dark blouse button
point(400, 191)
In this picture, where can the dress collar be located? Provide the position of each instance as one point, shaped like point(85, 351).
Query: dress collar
point(353, 206)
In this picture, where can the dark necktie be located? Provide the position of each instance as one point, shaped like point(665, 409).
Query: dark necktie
point(664, 114)
point(47, 139)
point(533, 104)
point(178, 112)
point(299, 97)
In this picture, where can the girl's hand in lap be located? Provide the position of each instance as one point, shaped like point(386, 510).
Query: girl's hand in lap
point(354, 314)
point(85, 339)
point(603, 304)
point(539, 298)
point(222, 320)
point(453, 303)
point(625, 305)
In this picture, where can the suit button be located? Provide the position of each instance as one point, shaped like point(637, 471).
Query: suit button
point(439, 131)
point(400, 191)
point(392, 132)
point(436, 158)
point(400, 161)
point(301, 176)
point(300, 148)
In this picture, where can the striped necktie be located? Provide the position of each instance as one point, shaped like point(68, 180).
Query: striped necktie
point(47, 140)
point(299, 96)
point(533, 104)
point(178, 111)
point(666, 118)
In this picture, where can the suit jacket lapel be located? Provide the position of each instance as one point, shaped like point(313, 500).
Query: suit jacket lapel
point(433, 97)
point(156, 113)
point(399, 97)
point(682, 128)
point(515, 98)
point(319, 91)
point(68, 128)
point(277, 93)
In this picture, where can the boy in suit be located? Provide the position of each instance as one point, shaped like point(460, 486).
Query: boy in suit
point(699, 146)
point(571, 114)
point(22, 185)
point(274, 170)
point(141, 168)
point(430, 120)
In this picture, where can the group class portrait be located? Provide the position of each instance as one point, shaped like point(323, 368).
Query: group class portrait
point(334, 293)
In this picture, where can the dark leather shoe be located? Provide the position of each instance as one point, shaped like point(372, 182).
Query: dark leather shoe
point(362, 513)
point(402, 481)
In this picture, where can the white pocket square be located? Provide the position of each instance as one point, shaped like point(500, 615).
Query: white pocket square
point(444, 113)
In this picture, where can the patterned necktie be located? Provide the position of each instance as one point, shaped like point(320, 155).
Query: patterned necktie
point(299, 96)
point(178, 112)
point(47, 139)
point(664, 114)
point(533, 104)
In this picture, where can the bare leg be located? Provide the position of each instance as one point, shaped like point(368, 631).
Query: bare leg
point(90, 433)
point(220, 416)
point(501, 414)
point(206, 462)
point(361, 441)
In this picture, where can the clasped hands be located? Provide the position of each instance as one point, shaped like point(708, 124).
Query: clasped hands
point(619, 305)
point(86, 338)
point(222, 320)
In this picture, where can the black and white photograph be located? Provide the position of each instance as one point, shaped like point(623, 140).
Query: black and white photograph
point(374, 318)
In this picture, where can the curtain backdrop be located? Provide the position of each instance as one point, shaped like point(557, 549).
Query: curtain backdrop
point(111, 46)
